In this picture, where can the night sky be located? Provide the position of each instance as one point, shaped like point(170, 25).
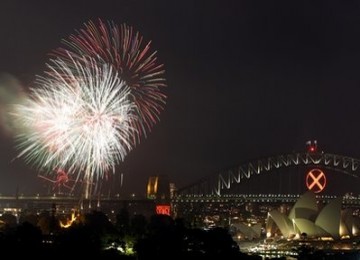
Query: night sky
point(246, 79)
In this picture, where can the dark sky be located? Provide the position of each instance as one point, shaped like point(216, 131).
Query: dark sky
point(246, 78)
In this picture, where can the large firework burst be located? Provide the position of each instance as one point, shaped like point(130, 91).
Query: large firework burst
point(123, 48)
point(79, 118)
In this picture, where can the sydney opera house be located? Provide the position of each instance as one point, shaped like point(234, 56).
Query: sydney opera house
point(308, 218)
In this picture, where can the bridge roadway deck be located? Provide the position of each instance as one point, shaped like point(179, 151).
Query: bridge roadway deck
point(348, 201)
point(67, 203)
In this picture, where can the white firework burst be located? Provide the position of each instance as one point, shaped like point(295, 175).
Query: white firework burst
point(78, 118)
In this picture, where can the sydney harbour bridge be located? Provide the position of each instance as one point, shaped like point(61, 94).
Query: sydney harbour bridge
point(223, 182)
point(226, 186)
point(232, 188)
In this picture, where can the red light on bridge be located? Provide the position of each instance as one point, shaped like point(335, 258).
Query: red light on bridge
point(163, 209)
point(311, 146)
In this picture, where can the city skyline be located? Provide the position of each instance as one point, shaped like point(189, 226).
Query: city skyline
point(245, 80)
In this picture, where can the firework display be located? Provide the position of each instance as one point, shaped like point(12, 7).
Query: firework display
point(62, 180)
point(123, 48)
point(99, 94)
point(81, 122)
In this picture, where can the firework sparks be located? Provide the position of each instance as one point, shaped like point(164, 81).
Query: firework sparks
point(123, 48)
point(79, 117)
point(100, 93)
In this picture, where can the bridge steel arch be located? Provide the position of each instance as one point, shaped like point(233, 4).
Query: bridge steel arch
point(215, 184)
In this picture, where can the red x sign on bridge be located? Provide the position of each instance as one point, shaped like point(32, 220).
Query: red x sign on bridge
point(316, 180)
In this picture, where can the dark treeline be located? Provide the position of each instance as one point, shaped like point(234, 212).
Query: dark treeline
point(130, 237)
point(135, 237)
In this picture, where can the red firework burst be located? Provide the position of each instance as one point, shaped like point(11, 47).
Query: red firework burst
point(124, 48)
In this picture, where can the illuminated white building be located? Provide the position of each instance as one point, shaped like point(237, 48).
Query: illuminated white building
point(305, 217)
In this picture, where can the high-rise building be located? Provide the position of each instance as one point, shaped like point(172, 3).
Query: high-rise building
point(158, 188)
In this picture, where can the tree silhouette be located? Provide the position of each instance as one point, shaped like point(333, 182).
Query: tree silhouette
point(123, 222)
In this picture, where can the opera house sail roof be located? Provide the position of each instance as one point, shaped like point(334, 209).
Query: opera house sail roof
point(306, 217)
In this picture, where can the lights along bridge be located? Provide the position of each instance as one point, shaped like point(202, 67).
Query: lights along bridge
point(216, 184)
point(348, 200)
point(216, 192)
point(67, 204)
